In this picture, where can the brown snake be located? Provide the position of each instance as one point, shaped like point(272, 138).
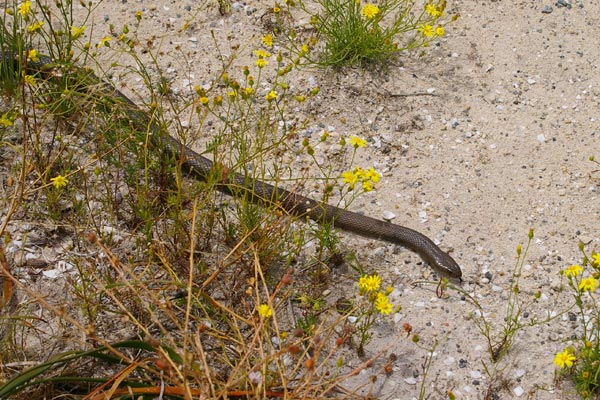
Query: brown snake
point(200, 167)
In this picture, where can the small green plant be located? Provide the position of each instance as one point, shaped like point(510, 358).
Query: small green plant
point(581, 361)
point(357, 33)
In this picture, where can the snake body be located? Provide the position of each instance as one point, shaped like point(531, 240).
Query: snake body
point(200, 167)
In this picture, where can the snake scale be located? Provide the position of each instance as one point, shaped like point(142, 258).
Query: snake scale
point(200, 167)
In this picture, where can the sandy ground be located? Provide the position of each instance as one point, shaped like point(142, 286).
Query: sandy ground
point(500, 147)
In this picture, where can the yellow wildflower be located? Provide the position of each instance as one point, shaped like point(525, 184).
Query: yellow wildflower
point(33, 55)
point(261, 53)
point(261, 62)
point(588, 284)
point(369, 283)
point(104, 41)
point(24, 9)
point(265, 311)
point(29, 80)
point(272, 95)
point(232, 94)
point(370, 10)
point(59, 181)
point(367, 186)
point(35, 26)
point(276, 8)
point(372, 175)
point(350, 178)
point(77, 31)
point(357, 142)
point(564, 359)
point(5, 121)
point(268, 40)
point(204, 100)
point(382, 303)
point(434, 11)
point(248, 91)
point(426, 30)
point(573, 270)
point(440, 31)
point(596, 259)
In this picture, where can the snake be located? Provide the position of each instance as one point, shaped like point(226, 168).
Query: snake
point(259, 192)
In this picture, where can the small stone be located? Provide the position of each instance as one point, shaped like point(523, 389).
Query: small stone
point(541, 138)
point(547, 10)
point(518, 391)
point(388, 215)
point(411, 381)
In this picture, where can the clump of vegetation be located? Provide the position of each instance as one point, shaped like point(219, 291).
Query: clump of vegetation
point(581, 361)
point(171, 291)
point(365, 33)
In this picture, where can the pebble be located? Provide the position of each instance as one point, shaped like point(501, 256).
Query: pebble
point(518, 391)
point(547, 10)
point(388, 215)
point(380, 251)
point(541, 138)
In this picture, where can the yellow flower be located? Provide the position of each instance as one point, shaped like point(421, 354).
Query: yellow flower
point(596, 259)
point(426, 30)
point(304, 49)
point(29, 80)
point(5, 121)
point(382, 304)
point(232, 94)
point(350, 178)
point(77, 31)
point(24, 9)
point(370, 10)
point(372, 175)
point(369, 283)
point(268, 40)
point(357, 142)
point(276, 8)
point(573, 270)
point(204, 100)
point(272, 95)
point(588, 284)
point(440, 31)
point(367, 186)
point(261, 53)
point(248, 91)
point(300, 98)
point(265, 311)
point(33, 55)
point(261, 62)
point(564, 359)
point(59, 181)
point(35, 26)
point(433, 11)
point(104, 41)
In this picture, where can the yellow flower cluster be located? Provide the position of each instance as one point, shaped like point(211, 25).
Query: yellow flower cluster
point(265, 311)
point(382, 303)
point(435, 11)
point(367, 177)
point(370, 284)
point(428, 30)
point(261, 54)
